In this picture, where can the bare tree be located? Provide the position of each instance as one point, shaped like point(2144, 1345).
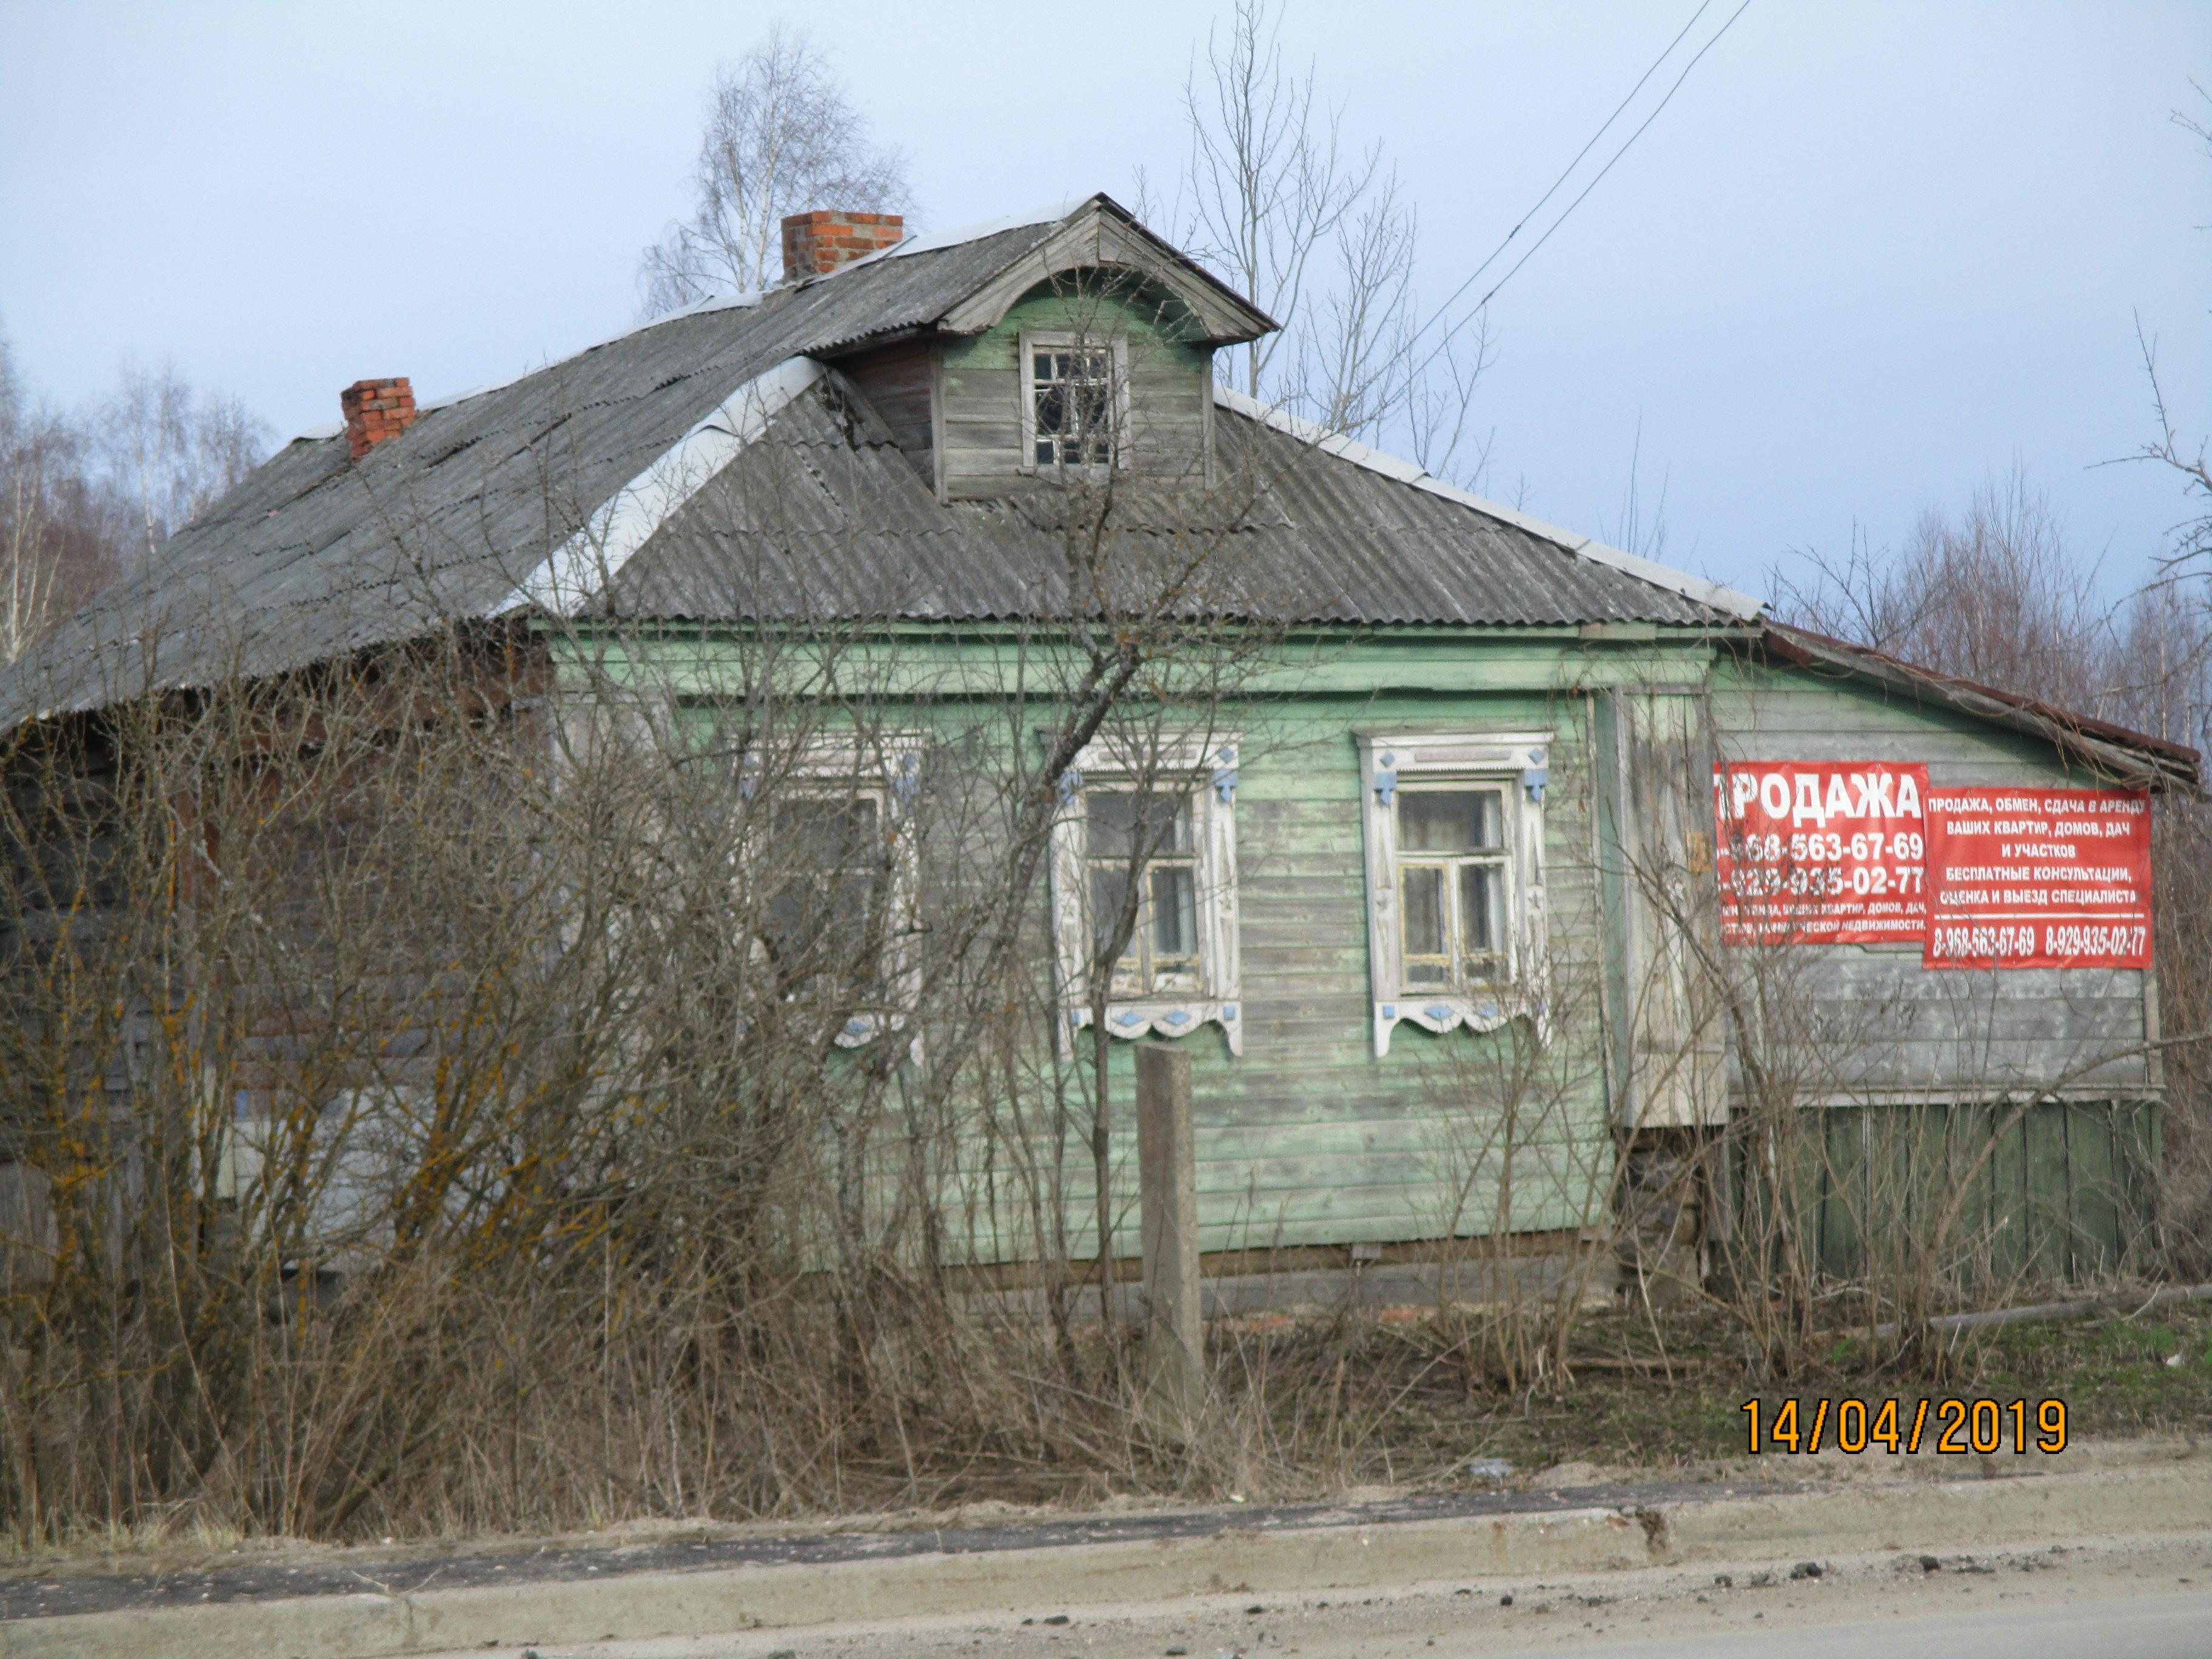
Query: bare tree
point(1993, 594)
point(57, 525)
point(2191, 539)
point(172, 450)
point(782, 136)
point(83, 495)
point(1317, 234)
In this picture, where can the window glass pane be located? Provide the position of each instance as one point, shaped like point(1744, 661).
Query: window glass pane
point(824, 858)
point(1422, 888)
point(1450, 820)
point(1168, 820)
point(1482, 909)
point(825, 832)
point(1113, 822)
point(1175, 913)
point(1072, 400)
point(1118, 826)
point(1110, 892)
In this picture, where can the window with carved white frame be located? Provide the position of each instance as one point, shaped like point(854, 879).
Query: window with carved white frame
point(839, 838)
point(1454, 829)
point(1181, 970)
point(1075, 400)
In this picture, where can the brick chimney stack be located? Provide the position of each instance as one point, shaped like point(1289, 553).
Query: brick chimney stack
point(820, 241)
point(375, 411)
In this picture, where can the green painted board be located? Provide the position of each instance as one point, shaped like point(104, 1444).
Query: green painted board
point(2044, 1151)
point(2093, 1192)
point(1843, 1194)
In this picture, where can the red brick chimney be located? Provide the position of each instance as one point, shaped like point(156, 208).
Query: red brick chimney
point(823, 239)
point(375, 411)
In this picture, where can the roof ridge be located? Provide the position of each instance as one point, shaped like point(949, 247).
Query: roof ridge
point(1720, 597)
point(582, 566)
point(745, 300)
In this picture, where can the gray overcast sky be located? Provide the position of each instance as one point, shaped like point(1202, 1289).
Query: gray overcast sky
point(1870, 257)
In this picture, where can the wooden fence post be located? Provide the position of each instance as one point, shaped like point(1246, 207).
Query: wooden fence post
point(1167, 1176)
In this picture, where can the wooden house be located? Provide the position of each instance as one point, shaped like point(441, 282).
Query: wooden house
point(1488, 805)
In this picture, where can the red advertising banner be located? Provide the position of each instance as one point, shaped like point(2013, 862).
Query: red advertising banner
point(2039, 879)
point(1820, 852)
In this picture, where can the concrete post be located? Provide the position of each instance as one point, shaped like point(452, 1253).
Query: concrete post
point(1167, 1176)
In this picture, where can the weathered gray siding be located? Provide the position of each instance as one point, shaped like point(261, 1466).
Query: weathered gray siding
point(1893, 1027)
point(895, 381)
point(1170, 390)
point(1666, 1023)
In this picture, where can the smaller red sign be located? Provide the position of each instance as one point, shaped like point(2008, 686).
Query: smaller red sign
point(2039, 879)
point(1820, 852)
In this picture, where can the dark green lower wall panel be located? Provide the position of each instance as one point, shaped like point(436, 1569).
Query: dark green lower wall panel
point(2052, 1193)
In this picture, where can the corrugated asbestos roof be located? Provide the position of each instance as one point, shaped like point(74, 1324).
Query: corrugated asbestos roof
point(827, 517)
point(313, 556)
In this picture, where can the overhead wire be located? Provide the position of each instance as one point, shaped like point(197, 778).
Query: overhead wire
point(1566, 172)
point(1476, 309)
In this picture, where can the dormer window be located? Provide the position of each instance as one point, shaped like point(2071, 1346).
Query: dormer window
point(1074, 400)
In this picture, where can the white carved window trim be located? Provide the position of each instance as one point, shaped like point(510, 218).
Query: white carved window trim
point(1520, 762)
point(887, 770)
point(1117, 347)
point(1208, 768)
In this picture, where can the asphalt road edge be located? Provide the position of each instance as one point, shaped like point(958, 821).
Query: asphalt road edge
point(1842, 1520)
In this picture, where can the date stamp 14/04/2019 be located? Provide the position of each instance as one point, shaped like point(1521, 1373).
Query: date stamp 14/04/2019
point(1953, 1426)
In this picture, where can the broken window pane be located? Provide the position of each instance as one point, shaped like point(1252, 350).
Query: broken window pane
point(1072, 406)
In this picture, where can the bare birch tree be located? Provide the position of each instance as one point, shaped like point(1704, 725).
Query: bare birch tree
point(782, 136)
point(171, 450)
point(83, 495)
point(55, 530)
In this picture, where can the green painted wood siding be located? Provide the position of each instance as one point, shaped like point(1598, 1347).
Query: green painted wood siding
point(1309, 1138)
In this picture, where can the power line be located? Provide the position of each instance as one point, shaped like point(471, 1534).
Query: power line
point(1626, 145)
point(1564, 173)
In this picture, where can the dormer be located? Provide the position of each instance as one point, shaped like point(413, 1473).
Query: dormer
point(1090, 348)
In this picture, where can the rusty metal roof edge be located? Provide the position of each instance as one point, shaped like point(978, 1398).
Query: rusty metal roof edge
point(2101, 742)
point(1406, 473)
